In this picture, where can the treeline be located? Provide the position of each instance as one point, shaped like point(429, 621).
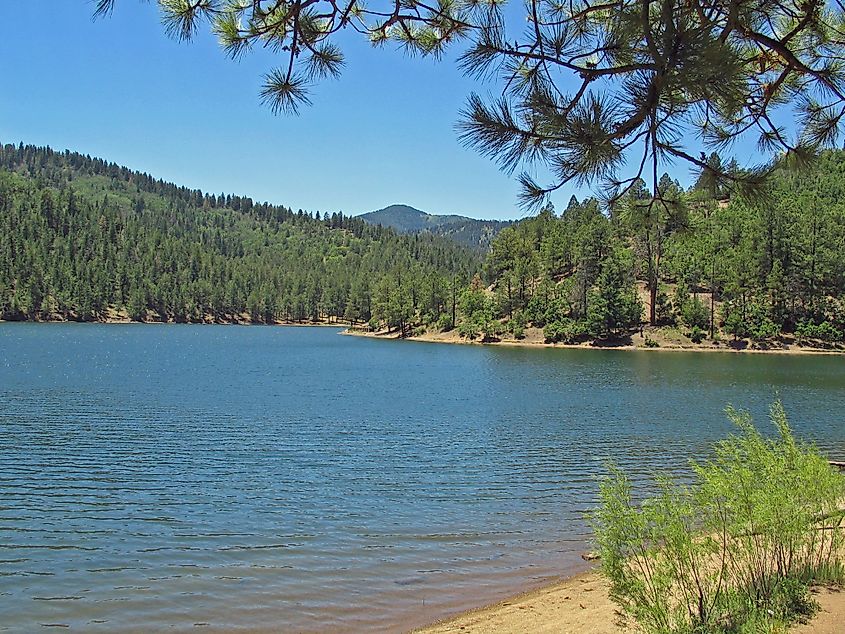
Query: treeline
point(84, 239)
point(696, 261)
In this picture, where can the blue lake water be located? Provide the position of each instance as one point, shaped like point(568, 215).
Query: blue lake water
point(291, 479)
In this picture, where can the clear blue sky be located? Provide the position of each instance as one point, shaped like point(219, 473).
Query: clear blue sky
point(118, 88)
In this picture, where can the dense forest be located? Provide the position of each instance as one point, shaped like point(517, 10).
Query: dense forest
point(690, 264)
point(84, 239)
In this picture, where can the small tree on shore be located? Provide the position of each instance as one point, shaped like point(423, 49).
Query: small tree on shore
point(613, 306)
point(735, 550)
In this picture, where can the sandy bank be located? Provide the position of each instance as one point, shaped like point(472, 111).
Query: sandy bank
point(534, 339)
point(581, 605)
point(578, 604)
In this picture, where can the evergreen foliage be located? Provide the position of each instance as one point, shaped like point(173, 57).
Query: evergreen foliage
point(81, 238)
point(589, 88)
point(84, 239)
point(762, 268)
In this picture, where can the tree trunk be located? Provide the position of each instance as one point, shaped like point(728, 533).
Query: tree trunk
point(713, 299)
point(454, 300)
point(652, 309)
point(510, 298)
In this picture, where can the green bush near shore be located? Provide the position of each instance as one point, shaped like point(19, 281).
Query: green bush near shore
point(735, 550)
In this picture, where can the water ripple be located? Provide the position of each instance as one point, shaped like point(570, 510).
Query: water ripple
point(218, 477)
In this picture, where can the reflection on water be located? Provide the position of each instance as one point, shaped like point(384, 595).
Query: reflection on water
point(161, 476)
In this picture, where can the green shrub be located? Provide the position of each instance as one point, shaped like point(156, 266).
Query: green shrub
point(827, 332)
point(663, 307)
point(492, 329)
point(734, 323)
point(651, 343)
point(695, 314)
point(681, 298)
point(553, 331)
point(764, 329)
point(697, 334)
point(824, 332)
point(565, 331)
point(444, 322)
point(516, 325)
point(541, 312)
point(735, 550)
point(469, 329)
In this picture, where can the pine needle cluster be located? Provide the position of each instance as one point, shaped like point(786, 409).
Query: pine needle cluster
point(602, 93)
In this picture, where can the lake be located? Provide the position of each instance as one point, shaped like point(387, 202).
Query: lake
point(169, 476)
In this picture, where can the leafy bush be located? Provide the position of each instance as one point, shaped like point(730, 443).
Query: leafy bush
point(691, 310)
point(681, 298)
point(733, 551)
point(760, 325)
point(444, 322)
point(478, 313)
point(749, 320)
point(492, 329)
point(663, 307)
point(553, 332)
point(734, 322)
point(824, 331)
point(697, 334)
point(651, 343)
point(565, 331)
point(517, 330)
point(695, 314)
point(488, 329)
point(613, 307)
point(469, 329)
point(516, 325)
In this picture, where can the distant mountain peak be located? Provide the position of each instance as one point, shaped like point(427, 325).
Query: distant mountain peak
point(473, 233)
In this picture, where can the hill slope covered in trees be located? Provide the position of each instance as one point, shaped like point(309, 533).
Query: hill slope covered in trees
point(681, 267)
point(84, 239)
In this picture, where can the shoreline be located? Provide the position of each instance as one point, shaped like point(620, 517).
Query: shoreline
point(578, 603)
point(581, 604)
point(453, 339)
point(218, 322)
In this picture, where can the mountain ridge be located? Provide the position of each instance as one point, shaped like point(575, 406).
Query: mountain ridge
point(471, 232)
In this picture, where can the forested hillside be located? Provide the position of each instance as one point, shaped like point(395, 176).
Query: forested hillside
point(679, 267)
point(84, 239)
point(688, 264)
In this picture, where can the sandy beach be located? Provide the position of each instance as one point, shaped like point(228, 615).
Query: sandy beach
point(577, 604)
point(581, 605)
